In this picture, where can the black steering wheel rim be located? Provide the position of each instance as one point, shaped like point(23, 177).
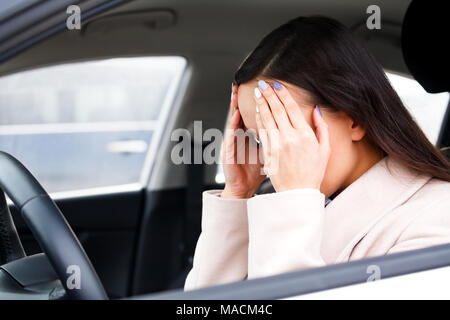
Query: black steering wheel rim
point(50, 229)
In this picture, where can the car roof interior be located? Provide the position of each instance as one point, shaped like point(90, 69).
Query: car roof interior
point(214, 37)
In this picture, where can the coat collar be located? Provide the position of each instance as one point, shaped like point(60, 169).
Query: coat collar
point(353, 212)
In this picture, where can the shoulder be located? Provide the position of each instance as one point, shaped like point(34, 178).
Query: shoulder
point(427, 217)
point(430, 206)
point(437, 184)
point(433, 198)
point(434, 192)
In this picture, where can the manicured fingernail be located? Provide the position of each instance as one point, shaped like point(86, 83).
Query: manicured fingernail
point(262, 84)
point(257, 109)
point(277, 86)
point(318, 110)
point(257, 93)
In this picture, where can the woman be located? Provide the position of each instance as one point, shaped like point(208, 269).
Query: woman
point(329, 120)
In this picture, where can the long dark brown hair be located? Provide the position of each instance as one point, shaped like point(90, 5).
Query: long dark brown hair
point(323, 57)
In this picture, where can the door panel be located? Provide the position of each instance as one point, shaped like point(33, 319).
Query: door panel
point(106, 226)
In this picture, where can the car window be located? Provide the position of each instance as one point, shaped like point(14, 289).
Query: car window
point(427, 109)
point(88, 124)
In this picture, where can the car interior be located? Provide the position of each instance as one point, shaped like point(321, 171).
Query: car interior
point(139, 242)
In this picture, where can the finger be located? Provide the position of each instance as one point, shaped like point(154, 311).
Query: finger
point(228, 146)
point(262, 132)
point(322, 133)
point(233, 99)
point(264, 138)
point(266, 115)
point(293, 111)
point(235, 117)
point(260, 154)
point(274, 138)
point(275, 105)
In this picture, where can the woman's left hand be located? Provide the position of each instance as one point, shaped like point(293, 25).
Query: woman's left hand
point(294, 155)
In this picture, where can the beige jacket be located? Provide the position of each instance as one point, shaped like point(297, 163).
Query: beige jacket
point(388, 209)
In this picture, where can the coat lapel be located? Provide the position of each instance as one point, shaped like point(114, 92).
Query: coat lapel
point(351, 215)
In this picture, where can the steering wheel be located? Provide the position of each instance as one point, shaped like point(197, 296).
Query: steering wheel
point(50, 229)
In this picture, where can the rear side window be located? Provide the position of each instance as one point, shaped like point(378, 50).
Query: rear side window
point(90, 124)
point(427, 109)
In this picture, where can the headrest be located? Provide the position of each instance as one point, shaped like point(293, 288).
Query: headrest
point(425, 44)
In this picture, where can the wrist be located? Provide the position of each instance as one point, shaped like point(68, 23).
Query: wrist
point(228, 194)
point(296, 187)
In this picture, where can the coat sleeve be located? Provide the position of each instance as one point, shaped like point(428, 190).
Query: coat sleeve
point(222, 248)
point(285, 232)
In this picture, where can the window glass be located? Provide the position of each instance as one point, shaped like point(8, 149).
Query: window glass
point(88, 124)
point(427, 109)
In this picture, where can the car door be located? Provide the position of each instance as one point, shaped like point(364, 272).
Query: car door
point(85, 131)
point(88, 131)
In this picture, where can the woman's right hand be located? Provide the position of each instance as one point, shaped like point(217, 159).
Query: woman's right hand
point(241, 180)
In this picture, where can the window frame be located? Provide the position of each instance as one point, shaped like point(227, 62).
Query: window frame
point(298, 283)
